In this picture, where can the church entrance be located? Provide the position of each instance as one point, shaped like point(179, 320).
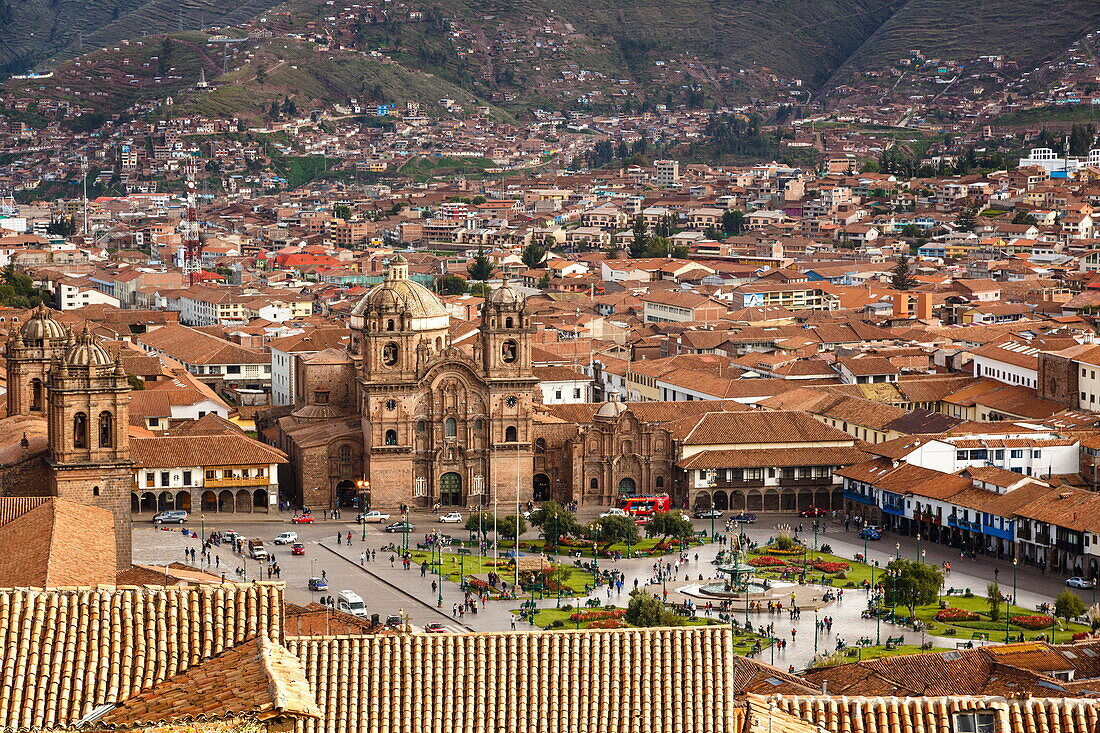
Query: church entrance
point(450, 489)
point(347, 496)
point(541, 487)
point(627, 487)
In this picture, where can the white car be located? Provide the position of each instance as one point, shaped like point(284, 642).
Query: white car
point(286, 538)
point(616, 512)
point(374, 516)
point(1079, 582)
point(450, 518)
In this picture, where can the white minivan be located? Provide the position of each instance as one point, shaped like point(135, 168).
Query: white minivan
point(349, 601)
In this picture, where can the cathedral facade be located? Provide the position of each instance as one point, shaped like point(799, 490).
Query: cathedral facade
point(405, 416)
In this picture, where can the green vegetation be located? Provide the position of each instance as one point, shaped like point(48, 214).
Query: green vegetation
point(984, 625)
point(1067, 113)
point(17, 290)
point(577, 581)
point(856, 654)
point(424, 168)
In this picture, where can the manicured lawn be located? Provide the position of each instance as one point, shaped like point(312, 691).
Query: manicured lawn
point(645, 547)
point(575, 578)
point(873, 652)
point(965, 630)
point(854, 576)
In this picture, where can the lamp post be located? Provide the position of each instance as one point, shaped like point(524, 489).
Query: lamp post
point(712, 522)
point(364, 486)
point(405, 531)
point(897, 547)
point(439, 570)
point(816, 629)
point(917, 555)
point(1008, 614)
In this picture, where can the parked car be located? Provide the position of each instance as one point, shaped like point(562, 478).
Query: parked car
point(815, 512)
point(401, 527)
point(373, 516)
point(395, 622)
point(175, 516)
point(870, 533)
point(303, 519)
point(231, 535)
point(318, 584)
point(616, 512)
point(707, 513)
point(256, 549)
point(297, 549)
point(286, 538)
point(746, 517)
point(434, 627)
point(450, 518)
point(1079, 582)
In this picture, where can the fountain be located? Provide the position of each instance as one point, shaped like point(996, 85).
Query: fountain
point(737, 582)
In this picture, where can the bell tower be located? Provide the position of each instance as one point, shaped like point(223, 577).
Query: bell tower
point(505, 334)
point(29, 352)
point(88, 398)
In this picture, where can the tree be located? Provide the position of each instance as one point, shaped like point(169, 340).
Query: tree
point(534, 256)
point(611, 529)
point(993, 599)
point(481, 290)
point(645, 609)
point(62, 226)
point(902, 276)
point(1024, 217)
point(544, 282)
point(342, 211)
point(450, 285)
point(506, 527)
point(670, 524)
point(480, 523)
point(554, 522)
point(482, 268)
point(910, 231)
point(733, 221)
point(261, 76)
point(641, 237)
point(1068, 605)
point(965, 220)
point(913, 584)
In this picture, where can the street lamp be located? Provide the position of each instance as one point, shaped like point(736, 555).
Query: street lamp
point(816, 630)
point(439, 570)
point(364, 486)
point(405, 531)
point(1008, 611)
point(918, 554)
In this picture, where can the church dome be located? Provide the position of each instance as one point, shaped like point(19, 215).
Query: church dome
point(399, 295)
point(86, 352)
point(506, 296)
point(42, 326)
point(613, 407)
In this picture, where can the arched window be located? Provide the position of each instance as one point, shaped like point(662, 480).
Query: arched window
point(479, 425)
point(389, 325)
point(36, 395)
point(95, 491)
point(439, 343)
point(540, 445)
point(80, 430)
point(508, 322)
point(450, 428)
point(391, 437)
point(510, 434)
point(421, 426)
point(509, 351)
point(389, 354)
point(660, 483)
point(106, 429)
point(594, 484)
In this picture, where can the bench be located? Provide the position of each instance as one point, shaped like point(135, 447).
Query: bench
point(964, 645)
point(701, 534)
point(895, 641)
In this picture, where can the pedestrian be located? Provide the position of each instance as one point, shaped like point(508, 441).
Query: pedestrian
point(392, 559)
point(349, 539)
point(362, 558)
point(323, 576)
point(513, 623)
point(793, 632)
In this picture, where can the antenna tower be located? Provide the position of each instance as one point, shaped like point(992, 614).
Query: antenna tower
point(192, 245)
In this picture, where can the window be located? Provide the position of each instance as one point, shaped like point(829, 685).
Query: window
point(510, 434)
point(660, 482)
point(389, 354)
point(233, 369)
point(479, 425)
point(576, 393)
point(1036, 454)
point(975, 723)
point(106, 429)
point(450, 428)
point(202, 413)
point(509, 351)
point(389, 325)
point(391, 437)
point(210, 473)
point(508, 322)
point(244, 473)
point(80, 430)
point(557, 394)
point(36, 395)
point(345, 454)
point(421, 426)
point(154, 422)
point(186, 478)
point(95, 491)
point(594, 484)
point(165, 478)
point(150, 479)
point(1017, 453)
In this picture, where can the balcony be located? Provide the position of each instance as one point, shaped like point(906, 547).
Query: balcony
point(898, 510)
point(745, 483)
point(964, 524)
point(851, 495)
point(811, 481)
point(1069, 546)
point(217, 483)
point(1004, 534)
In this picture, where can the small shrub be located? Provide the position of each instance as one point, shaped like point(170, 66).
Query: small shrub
point(950, 631)
point(567, 606)
point(954, 615)
point(1034, 622)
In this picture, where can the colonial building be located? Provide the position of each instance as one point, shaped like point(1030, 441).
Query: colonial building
point(404, 416)
point(68, 403)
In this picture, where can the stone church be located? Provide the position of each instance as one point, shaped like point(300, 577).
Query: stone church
point(66, 433)
point(406, 416)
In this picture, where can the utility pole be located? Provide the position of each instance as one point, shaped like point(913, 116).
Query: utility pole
point(84, 180)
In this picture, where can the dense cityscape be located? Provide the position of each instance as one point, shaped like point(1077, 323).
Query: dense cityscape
point(399, 368)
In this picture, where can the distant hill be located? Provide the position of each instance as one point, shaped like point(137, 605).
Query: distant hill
point(680, 50)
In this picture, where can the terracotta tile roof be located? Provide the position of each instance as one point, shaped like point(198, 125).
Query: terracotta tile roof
point(66, 651)
point(551, 682)
point(935, 714)
point(170, 451)
point(754, 426)
point(647, 412)
point(259, 679)
point(61, 543)
point(752, 675)
point(773, 457)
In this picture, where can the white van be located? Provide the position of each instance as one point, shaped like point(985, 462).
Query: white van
point(349, 601)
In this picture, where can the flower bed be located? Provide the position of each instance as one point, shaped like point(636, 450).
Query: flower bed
point(586, 616)
point(950, 614)
point(1033, 623)
point(773, 550)
point(607, 623)
point(767, 561)
point(830, 567)
point(1081, 635)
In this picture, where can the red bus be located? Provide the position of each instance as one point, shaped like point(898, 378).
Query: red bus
point(644, 506)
